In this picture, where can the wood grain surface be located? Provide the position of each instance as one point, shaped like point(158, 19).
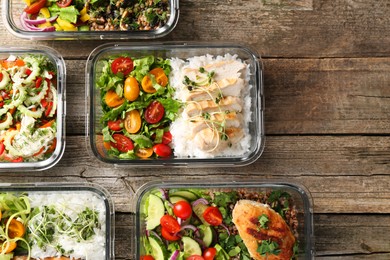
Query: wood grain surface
point(327, 121)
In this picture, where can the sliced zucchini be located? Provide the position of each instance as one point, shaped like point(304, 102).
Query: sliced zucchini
point(155, 211)
point(191, 247)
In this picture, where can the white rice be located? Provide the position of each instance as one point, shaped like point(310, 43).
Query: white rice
point(182, 140)
point(72, 204)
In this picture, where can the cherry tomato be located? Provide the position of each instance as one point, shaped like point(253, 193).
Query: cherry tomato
point(154, 112)
point(16, 229)
point(115, 125)
point(131, 89)
point(2, 148)
point(133, 121)
point(195, 257)
point(112, 99)
point(167, 138)
point(144, 152)
point(35, 7)
point(168, 236)
point(64, 3)
point(160, 76)
point(170, 224)
point(213, 216)
point(209, 253)
point(123, 65)
point(147, 257)
point(123, 143)
point(182, 209)
point(162, 150)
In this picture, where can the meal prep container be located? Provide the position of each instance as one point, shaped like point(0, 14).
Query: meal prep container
point(182, 51)
point(299, 194)
point(77, 190)
point(12, 10)
point(59, 64)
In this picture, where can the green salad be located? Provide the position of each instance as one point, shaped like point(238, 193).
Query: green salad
point(198, 224)
point(138, 106)
point(28, 108)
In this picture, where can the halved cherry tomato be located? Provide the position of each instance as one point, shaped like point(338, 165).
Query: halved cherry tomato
point(112, 99)
point(8, 246)
point(195, 257)
point(131, 89)
point(132, 121)
point(170, 224)
point(160, 77)
point(144, 152)
point(122, 65)
point(167, 138)
point(162, 150)
point(2, 148)
point(168, 236)
point(213, 216)
point(115, 125)
point(64, 3)
point(209, 253)
point(147, 257)
point(182, 209)
point(35, 7)
point(16, 229)
point(122, 143)
point(154, 112)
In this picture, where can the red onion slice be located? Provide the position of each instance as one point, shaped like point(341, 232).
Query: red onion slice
point(192, 227)
point(200, 201)
point(175, 255)
point(31, 27)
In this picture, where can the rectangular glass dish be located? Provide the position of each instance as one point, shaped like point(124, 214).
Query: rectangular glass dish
point(230, 94)
point(32, 108)
point(221, 216)
point(57, 219)
point(98, 20)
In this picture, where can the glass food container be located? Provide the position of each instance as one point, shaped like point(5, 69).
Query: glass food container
point(104, 76)
point(72, 219)
point(198, 230)
point(120, 20)
point(32, 108)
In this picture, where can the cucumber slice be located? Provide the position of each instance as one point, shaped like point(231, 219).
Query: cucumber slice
point(174, 199)
point(159, 252)
point(5, 80)
point(188, 195)
point(155, 211)
point(191, 247)
point(206, 234)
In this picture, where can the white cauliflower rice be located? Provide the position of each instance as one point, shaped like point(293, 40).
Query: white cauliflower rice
point(183, 142)
point(71, 204)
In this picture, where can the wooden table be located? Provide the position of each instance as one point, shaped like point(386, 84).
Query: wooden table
point(327, 120)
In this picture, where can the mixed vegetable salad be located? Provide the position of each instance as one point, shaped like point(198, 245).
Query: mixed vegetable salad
point(42, 231)
point(94, 15)
point(196, 224)
point(138, 106)
point(28, 106)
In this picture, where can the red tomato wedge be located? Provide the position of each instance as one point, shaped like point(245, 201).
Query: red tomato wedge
point(154, 112)
point(122, 64)
point(35, 7)
point(213, 216)
point(122, 143)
